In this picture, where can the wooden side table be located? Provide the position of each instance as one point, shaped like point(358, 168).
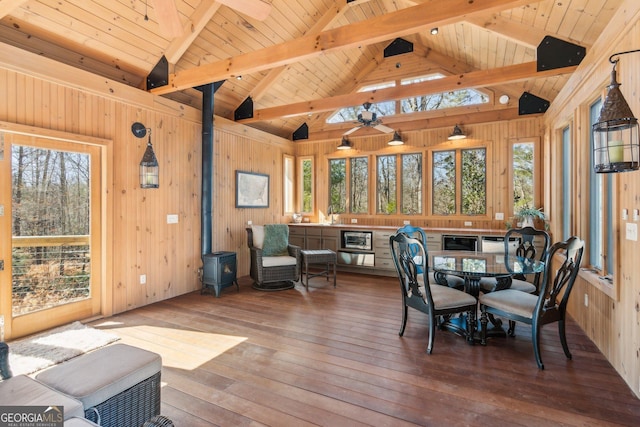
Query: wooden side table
point(326, 257)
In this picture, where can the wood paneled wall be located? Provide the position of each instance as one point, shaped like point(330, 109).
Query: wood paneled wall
point(612, 318)
point(496, 137)
point(46, 95)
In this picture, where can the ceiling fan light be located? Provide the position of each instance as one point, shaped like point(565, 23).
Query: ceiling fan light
point(345, 144)
point(396, 140)
point(457, 134)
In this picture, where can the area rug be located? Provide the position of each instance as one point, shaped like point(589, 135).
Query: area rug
point(40, 351)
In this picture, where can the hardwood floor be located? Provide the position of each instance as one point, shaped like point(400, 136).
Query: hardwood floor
point(333, 357)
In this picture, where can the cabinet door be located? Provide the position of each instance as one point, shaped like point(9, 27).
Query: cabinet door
point(314, 238)
point(330, 239)
point(297, 236)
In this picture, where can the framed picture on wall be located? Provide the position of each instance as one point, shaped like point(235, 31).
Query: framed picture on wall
point(252, 190)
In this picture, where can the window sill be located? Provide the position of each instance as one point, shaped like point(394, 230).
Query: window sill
point(599, 282)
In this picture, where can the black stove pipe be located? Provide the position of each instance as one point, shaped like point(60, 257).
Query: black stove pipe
point(206, 225)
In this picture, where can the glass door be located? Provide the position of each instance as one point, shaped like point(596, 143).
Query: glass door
point(55, 210)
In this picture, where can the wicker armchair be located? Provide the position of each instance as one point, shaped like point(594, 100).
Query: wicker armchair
point(273, 273)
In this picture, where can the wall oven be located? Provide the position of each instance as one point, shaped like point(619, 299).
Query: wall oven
point(360, 240)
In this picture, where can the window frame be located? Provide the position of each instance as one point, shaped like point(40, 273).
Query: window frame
point(288, 184)
point(300, 184)
point(459, 147)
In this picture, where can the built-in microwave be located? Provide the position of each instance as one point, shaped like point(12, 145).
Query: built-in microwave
point(357, 240)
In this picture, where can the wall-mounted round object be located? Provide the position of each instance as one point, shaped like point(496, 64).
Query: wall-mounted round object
point(504, 99)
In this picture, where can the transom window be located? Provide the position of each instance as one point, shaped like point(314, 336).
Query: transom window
point(457, 98)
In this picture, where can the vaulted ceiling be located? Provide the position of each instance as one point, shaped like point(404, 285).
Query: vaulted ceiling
point(300, 60)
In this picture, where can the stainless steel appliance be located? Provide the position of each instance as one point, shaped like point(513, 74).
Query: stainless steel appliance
point(360, 240)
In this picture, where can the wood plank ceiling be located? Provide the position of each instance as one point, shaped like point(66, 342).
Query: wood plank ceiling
point(308, 58)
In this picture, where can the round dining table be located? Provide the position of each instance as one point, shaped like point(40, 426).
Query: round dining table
point(472, 266)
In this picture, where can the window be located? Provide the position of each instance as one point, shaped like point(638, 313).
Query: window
point(566, 182)
point(359, 185)
point(601, 228)
point(358, 178)
point(444, 183)
point(439, 101)
point(386, 187)
point(474, 181)
point(451, 99)
point(468, 196)
point(288, 186)
point(306, 184)
point(338, 185)
point(411, 193)
point(523, 167)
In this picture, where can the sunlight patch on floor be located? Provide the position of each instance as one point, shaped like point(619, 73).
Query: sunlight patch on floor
point(179, 348)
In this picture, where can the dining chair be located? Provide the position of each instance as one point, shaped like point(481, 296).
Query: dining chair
point(532, 244)
point(419, 233)
point(419, 293)
point(548, 306)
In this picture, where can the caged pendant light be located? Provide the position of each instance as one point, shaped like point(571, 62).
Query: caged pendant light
point(615, 135)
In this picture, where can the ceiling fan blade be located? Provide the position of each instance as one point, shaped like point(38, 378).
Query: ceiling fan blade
point(168, 18)
point(256, 9)
point(350, 131)
point(383, 128)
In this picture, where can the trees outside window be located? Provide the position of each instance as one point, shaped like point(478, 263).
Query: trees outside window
point(474, 181)
point(359, 185)
point(466, 195)
point(386, 185)
point(444, 183)
point(338, 185)
point(523, 167)
point(411, 192)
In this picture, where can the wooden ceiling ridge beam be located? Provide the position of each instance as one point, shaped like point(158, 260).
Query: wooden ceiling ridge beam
point(381, 28)
point(192, 29)
point(8, 6)
point(473, 79)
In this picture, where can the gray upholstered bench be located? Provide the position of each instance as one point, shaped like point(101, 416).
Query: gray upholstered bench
point(326, 257)
point(22, 390)
point(118, 385)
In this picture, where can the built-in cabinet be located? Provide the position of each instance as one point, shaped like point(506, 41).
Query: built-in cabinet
point(378, 260)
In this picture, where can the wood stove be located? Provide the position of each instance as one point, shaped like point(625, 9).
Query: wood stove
point(219, 271)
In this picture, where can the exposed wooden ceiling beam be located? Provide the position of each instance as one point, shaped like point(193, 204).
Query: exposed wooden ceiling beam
point(473, 79)
point(7, 6)
point(334, 12)
point(378, 29)
point(192, 28)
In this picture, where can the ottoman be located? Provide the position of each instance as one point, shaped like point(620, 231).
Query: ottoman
point(22, 390)
point(326, 257)
point(118, 385)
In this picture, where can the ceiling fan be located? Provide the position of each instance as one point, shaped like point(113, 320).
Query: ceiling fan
point(368, 118)
point(169, 19)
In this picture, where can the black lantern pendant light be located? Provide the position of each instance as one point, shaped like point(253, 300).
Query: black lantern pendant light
point(457, 134)
point(149, 169)
point(615, 135)
point(396, 140)
point(345, 144)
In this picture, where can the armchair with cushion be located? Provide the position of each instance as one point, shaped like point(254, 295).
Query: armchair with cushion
point(275, 264)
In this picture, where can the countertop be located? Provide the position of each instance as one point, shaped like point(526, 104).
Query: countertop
point(461, 231)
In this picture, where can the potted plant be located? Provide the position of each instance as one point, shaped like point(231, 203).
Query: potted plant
point(528, 216)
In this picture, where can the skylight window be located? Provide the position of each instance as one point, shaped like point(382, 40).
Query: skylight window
point(457, 98)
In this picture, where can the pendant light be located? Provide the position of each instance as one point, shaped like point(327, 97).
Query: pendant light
point(457, 134)
point(615, 135)
point(345, 144)
point(396, 140)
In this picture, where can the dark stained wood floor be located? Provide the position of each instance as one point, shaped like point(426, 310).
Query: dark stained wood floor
point(333, 357)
